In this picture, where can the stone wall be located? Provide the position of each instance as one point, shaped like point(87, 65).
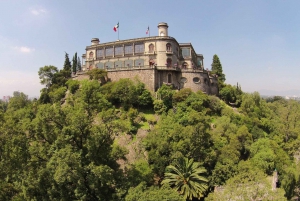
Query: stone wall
point(146, 75)
point(153, 79)
point(203, 83)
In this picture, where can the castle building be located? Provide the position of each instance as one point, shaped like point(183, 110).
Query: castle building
point(154, 60)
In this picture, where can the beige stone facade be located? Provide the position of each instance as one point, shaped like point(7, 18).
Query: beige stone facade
point(155, 60)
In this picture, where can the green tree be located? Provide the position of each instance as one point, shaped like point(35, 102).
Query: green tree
point(74, 63)
point(142, 193)
point(46, 75)
point(98, 74)
point(78, 64)
point(250, 184)
point(187, 178)
point(216, 68)
point(165, 93)
point(67, 69)
point(73, 85)
point(18, 101)
point(58, 94)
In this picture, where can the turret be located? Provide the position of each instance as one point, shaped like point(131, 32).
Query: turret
point(95, 41)
point(163, 29)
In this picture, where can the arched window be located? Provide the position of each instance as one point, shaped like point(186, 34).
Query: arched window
point(162, 33)
point(91, 55)
point(151, 48)
point(169, 78)
point(169, 62)
point(169, 47)
point(184, 65)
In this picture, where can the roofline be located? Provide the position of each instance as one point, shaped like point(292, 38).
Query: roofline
point(120, 42)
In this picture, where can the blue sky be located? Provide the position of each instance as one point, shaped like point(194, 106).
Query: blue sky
point(257, 41)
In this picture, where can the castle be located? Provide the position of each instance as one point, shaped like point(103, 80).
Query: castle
point(155, 60)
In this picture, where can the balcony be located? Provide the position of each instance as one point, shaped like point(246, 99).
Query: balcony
point(173, 68)
point(169, 52)
point(150, 53)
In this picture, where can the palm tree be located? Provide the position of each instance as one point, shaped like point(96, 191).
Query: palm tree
point(186, 178)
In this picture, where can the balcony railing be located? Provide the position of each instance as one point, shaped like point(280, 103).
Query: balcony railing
point(150, 53)
point(160, 68)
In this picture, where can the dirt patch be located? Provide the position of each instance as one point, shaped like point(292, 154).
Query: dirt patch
point(133, 143)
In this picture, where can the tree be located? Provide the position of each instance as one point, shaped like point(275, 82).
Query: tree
point(186, 177)
point(165, 93)
point(97, 74)
point(46, 75)
point(142, 193)
point(216, 68)
point(249, 184)
point(74, 63)
point(18, 101)
point(67, 67)
point(78, 64)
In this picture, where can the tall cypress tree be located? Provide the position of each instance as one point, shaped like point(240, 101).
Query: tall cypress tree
point(67, 67)
point(216, 68)
point(78, 64)
point(74, 63)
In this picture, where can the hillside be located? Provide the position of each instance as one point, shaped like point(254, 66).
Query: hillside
point(115, 141)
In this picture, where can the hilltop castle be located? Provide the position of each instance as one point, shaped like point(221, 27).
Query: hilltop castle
point(155, 60)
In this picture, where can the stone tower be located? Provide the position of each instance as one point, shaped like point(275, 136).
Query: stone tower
point(163, 29)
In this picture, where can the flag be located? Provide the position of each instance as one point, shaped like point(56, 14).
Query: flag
point(116, 27)
point(147, 30)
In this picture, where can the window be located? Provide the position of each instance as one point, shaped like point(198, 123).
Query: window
point(119, 64)
point(169, 47)
point(186, 52)
point(162, 33)
point(184, 65)
point(169, 62)
point(183, 80)
point(128, 49)
point(100, 65)
point(169, 78)
point(196, 80)
point(109, 52)
point(139, 62)
point(139, 48)
point(128, 63)
point(199, 62)
point(100, 53)
point(109, 64)
point(91, 55)
point(151, 48)
point(118, 51)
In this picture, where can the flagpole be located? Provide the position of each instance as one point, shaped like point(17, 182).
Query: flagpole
point(118, 30)
point(149, 31)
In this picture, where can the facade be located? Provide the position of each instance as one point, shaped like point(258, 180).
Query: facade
point(154, 60)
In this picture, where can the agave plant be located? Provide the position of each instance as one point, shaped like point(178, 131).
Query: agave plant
point(186, 178)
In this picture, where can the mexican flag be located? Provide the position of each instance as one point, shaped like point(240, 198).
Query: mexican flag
point(116, 27)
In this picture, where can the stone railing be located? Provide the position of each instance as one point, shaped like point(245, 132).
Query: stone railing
point(153, 67)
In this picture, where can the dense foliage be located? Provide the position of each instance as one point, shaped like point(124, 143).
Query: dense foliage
point(68, 144)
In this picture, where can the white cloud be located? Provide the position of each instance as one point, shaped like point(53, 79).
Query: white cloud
point(24, 49)
point(38, 11)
